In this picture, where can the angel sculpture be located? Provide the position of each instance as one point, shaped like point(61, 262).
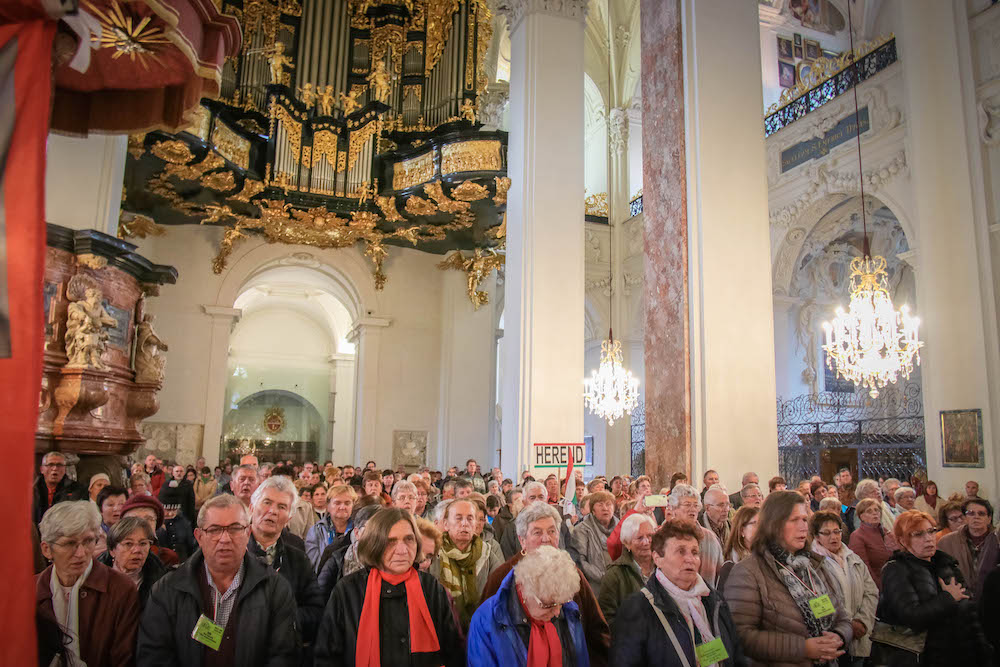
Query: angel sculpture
point(467, 111)
point(86, 335)
point(327, 101)
point(148, 362)
point(379, 82)
point(477, 268)
point(277, 59)
point(349, 102)
point(307, 95)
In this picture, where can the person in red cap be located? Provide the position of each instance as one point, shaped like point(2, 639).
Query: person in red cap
point(151, 510)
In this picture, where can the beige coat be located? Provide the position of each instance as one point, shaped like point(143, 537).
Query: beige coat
point(768, 622)
point(203, 491)
point(859, 592)
point(302, 519)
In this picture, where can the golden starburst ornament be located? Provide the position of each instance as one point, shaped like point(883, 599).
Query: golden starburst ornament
point(127, 34)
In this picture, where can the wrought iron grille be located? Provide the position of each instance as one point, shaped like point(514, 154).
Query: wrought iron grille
point(838, 84)
point(638, 424)
point(635, 207)
point(888, 432)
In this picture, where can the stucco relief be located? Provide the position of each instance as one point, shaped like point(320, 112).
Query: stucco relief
point(409, 449)
point(516, 10)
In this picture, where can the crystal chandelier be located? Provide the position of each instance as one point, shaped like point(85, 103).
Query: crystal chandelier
point(871, 343)
point(611, 390)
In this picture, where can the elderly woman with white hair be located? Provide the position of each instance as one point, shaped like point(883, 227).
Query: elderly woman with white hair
point(686, 503)
point(532, 621)
point(87, 613)
point(628, 572)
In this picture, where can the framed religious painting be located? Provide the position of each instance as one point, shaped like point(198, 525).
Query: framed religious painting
point(797, 38)
point(784, 48)
point(797, 52)
point(813, 50)
point(786, 74)
point(962, 439)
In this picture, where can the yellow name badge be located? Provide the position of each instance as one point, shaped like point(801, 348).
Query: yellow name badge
point(208, 633)
point(821, 606)
point(711, 652)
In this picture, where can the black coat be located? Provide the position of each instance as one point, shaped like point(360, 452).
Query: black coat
point(295, 567)
point(67, 489)
point(336, 645)
point(181, 495)
point(911, 597)
point(330, 573)
point(177, 534)
point(991, 610)
point(152, 571)
point(267, 635)
point(638, 638)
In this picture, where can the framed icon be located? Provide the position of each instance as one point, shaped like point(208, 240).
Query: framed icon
point(786, 74)
point(962, 439)
point(784, 48)
point(812, 49)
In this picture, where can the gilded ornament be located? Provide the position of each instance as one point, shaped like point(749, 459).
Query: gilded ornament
point(439, 13)
point(444, 202)
point(223, 181)
point(173, 151)
point(149, 362)
point(413, 171)
point(358, 138)
point(477, 268)
point(470, 191)
point(467, 111)
point(327, 101)
point(138, 37)
point(503, 185)
point(596, 205)
point(274, 420)
point(474, 155)
point(200, 119)
point(390, 39)
point(483, 39)
point(470, 50)
point(293, 128)
point(92, 261)
point(307, 95)
point(325, 145)
point(251, 189)
point(419, 206)
point(377, 252)
point(388, 207)
point(137, 226)
point(379, 82)
point(416, 89)
point(277, 61)
point(135, 145)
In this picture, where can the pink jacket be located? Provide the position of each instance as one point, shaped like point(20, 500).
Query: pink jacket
point(875, 548)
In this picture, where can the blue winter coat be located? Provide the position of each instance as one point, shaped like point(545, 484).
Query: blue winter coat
point(494, 640)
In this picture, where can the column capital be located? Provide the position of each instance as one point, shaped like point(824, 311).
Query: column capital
point(516, 10)
point(364, 324)
point(222, 313)
point(911, 258)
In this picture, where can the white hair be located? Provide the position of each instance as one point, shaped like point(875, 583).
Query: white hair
point(534, 485)
point(403, 485)
point(747, 476)
point(441, 509)
point(902, 491)
point(867, 488)
point(719, 486)
point(888, 483)
point(535, 512)
point(221, 502)
point(747, 488)
point(279, 483)
point(830, 503)
point(630, 526)
point(682, 491)
point(48, 456)
point(717, 493)
point(548, 574)
point(69, 518)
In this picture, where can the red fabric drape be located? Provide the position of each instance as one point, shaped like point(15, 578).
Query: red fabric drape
point(27, 28)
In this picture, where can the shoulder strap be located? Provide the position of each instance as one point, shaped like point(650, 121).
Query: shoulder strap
point(666, 627)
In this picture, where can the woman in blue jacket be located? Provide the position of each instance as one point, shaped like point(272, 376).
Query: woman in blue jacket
point(531, 617)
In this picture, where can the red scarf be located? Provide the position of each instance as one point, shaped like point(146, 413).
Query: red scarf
point(544, 647)
point(423, 637)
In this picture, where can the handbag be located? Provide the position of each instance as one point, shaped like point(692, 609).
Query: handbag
point(895, 645)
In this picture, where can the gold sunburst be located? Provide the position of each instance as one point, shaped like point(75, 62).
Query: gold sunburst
point(128, 35)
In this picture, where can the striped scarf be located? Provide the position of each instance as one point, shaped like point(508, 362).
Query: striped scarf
point(458, 574)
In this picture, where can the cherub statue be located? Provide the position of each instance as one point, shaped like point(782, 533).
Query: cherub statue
point(307, 95)
point(467, 111)
point(277, 59)
point(477, 268)
point(148, 362)
point(349, 102)
point(366, 191)
point(378, 79)
point(327, 100)
point(86, 335)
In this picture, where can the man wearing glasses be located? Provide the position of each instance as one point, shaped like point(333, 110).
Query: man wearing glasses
point(975, 545)
point(53, 486)
point(223, 606)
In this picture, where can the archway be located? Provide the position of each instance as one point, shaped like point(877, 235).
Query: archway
point(275, 424)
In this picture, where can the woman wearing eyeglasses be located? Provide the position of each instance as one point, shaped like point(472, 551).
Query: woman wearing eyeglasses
point(860, 594)
point(129, 542)
point(388, 613)
point(86, 612)
point(532, 620)
point(924, 601)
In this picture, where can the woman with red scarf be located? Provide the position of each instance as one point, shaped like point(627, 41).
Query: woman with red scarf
point(532, 620)
point(389, 613)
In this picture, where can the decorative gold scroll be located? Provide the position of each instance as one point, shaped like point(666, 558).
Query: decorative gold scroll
point(413, 171)
point(474, 155)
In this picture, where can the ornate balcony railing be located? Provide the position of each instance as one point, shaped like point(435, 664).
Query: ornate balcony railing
point(827, 80)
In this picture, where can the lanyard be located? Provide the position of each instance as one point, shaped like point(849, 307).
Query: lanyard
point(807, 586)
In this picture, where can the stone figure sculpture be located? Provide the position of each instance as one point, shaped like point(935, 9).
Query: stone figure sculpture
point(379, 82)
point(86, 330)
point(148, 362)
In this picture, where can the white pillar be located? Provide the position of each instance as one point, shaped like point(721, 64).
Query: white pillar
point(342, 408)
point(733, 421)
point(83, 181)
point(953, 282)
point(223, 320)
point(544, 301)
point(367, 338)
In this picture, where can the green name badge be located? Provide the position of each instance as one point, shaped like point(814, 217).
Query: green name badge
point(711, 652)
point(821, 606)
point(208, 633)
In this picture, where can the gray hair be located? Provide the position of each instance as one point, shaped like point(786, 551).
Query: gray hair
point(126, 527)
point(682, 491)
point(68, 518)
point(49, 455)
point(441, 510)
point(830, 503)
point(747, 488)
point(221, 502)
point(548, 574)
point(533, 485)
point(279, 483)
point(265, 466)
point(888, 483)
point(747, 476)
point(535, 512)
point(245, 467)
point(716, 493)
point(902, 491)
point(403, 485)
point(630, 526)
point(867, 488)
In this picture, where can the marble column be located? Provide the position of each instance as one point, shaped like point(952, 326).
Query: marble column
point(667, 360)
point(223, 321)
point(544, 301)
point(367, 338)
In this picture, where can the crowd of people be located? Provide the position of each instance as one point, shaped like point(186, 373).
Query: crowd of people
point(282, 564)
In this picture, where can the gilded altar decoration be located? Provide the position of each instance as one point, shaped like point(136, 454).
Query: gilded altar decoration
point(349, 102)
point(597, 205)
point(413, 171)
point(223, 181)
point(388, 207)
point(230, 145)
point(307, 95)
point(137, 226)
point(476, 155)
point(477, 268)
point(325, 146)
point(274, 420)
point(503, 185)
point(379, 82)
point(327, 101)
point(467, 111)
point(470, 191)
point(443, 201)
point(128, 34)
point(251, 189)
point(173, 151)
point(419, 206)
point(87, 324)
point(277, 60)
point(148, 362)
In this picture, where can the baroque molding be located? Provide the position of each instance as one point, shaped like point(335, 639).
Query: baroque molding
point(618, 130)
point(515, 10)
